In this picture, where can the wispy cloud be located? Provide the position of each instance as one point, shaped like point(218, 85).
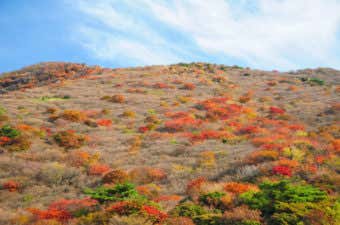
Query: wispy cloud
point(283, 34)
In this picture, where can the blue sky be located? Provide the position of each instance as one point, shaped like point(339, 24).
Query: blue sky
point(264, 34)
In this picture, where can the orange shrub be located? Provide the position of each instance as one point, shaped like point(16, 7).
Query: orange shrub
point(288, 162)
point(79, 158)
point(194, 187)
point(4, 140)
point(189, 86)
point(73, 115)
point(104, 122)
point(11, 185)
point(147, 175)
point(114, 98)
point(62, 210)
point(207, 159)
point(98, 169)
point(69, 139)
point(238, 188)
point(156, 215)
point(263, 155)
point(163, 198)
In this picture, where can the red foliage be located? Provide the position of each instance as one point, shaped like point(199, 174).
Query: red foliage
point(320, 159)
point(11, 185)
point(249, 129)
point(182, 123)
point(208, 134)
point(4, 140)
point(98, 169)
point(123, 207)
point(153, 212)
point(276, 110)
point(104, 122)
point(296, 127)
point(196, 184)
point(282, 170)
point(62, 210)
point(143, 129)
point(238, 188)
point(189, 86)
point(60, 215)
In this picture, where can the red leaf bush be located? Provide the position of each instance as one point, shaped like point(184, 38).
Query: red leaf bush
point(282, 170)
point(189, 86)
point(157, 215)
point(11, 185)
point(182, 123)
point(98, 169)
point(276, 110)
point(239, 188)
point(104, 122)
point(63, 210)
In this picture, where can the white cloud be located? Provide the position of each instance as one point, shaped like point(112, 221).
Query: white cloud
point(283, 34)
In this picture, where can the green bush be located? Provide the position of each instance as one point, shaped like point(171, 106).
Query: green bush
point(211, 198)
point(283, 202)
point(9, 131)
point(117, 193)
point(189, 209)
point(2, 111)
point(313, 80)
point(208, 219)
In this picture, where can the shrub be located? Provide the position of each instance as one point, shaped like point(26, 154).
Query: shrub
point(98, 169)
point(115, 176)
point(189, 86)
point(8, 131)
point(69, 139)
point(272, 195)
point(64, 209)
point(13, 140)
point(181, 123)
point(104, 122)
point(127, 207)
point(156, 216)
point(114, 98)
point(188, 209)
point(129, 113)
point(194, 186)
point(241, 215)
point(276, 110)
point(239, 188)
point(119, 192)
point(161, 86)
point(180, 221)
point(4, 140)
point(145, 175)
point(73, 115)
point(11, 185)
point(282, 170)
point(208, 159)
point(263, 155)
point(212, 198)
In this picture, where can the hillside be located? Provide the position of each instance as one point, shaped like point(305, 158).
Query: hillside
point(180, 144)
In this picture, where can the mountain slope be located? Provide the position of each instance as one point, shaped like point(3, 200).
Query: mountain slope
point(179, 132)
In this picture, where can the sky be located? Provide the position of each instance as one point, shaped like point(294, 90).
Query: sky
point(263, 34)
